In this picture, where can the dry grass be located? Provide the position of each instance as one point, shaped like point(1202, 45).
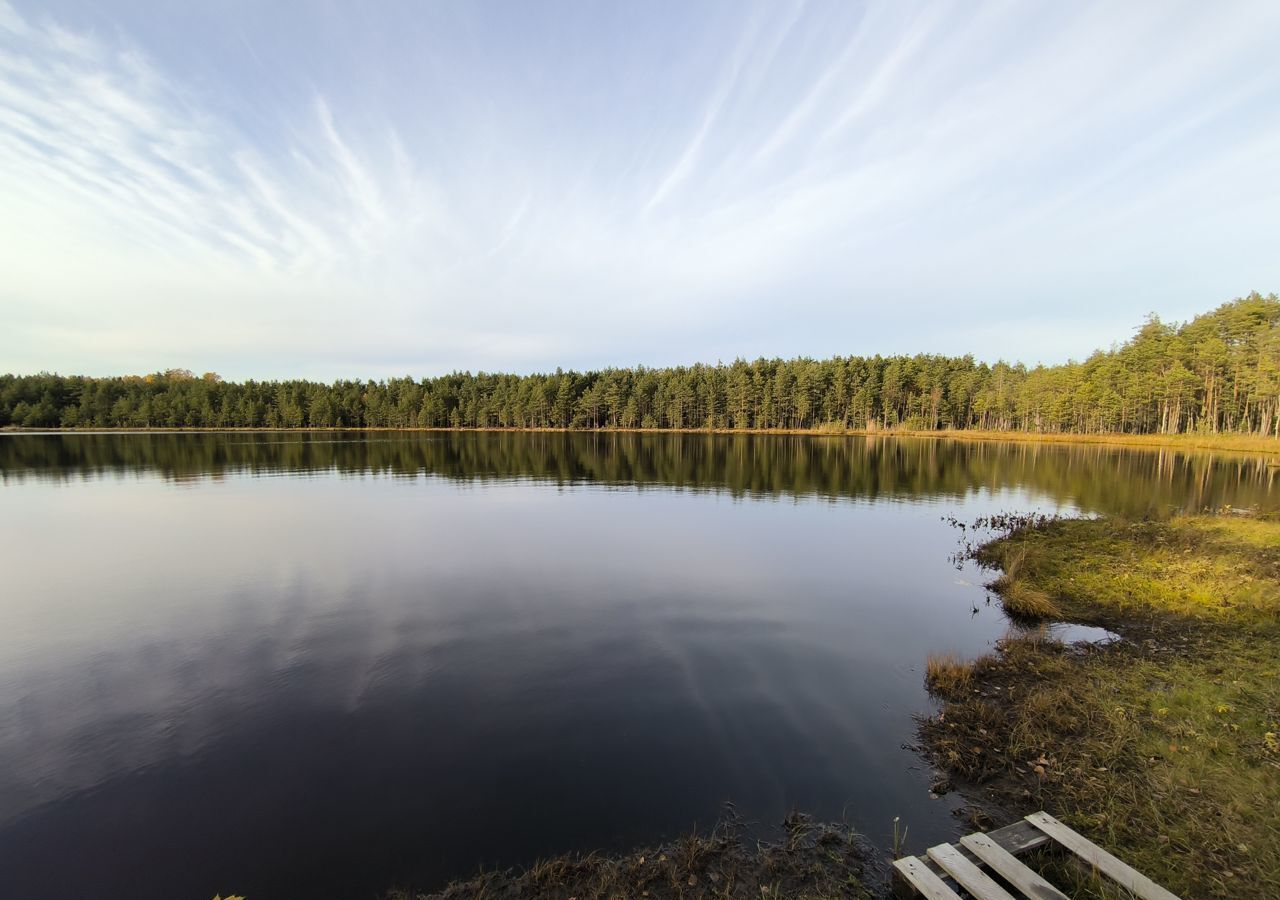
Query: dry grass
point(947, 675)
point(810, 862)
point(1020, 597)
point(1023, 601)
point(1235, 443)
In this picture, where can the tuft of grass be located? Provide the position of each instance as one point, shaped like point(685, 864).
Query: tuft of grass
point(947, 675)
point(1018, 594)
point(1023, 601)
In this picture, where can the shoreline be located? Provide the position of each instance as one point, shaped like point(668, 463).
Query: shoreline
point(810, 860)
point(1224, 442)
point(1163, 745)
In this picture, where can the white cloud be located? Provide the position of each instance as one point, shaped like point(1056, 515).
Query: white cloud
point(941, 161)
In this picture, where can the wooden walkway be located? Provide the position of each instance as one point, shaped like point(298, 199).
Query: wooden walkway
point(986, 866)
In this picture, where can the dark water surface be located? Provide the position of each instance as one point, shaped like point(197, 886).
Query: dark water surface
point(314, 666)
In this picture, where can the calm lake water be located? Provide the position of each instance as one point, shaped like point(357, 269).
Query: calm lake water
point(315, 666)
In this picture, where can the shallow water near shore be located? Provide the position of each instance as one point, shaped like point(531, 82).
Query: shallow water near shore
point(319, 665)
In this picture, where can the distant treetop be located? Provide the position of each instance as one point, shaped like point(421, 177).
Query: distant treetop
point(1218, 372)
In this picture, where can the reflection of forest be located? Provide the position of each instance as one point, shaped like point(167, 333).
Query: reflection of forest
point(1096, 478)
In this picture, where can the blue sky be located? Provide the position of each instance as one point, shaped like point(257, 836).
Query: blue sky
point(340, 189)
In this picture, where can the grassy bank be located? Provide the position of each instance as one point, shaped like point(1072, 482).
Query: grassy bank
point(810, 862)
point(1163, 746)
point(1239, 443)
point(1230, 442)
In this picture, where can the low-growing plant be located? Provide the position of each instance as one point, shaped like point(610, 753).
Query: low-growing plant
point(1022, 601)
point(947, 675)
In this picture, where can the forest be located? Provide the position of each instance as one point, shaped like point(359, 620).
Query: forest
point(1218, 373)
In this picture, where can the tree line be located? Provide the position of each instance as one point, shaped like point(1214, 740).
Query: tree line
point(1220, 372)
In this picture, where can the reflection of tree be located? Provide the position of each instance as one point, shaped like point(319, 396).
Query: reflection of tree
point(1129, 481)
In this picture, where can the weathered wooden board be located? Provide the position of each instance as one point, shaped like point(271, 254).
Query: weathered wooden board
point(1019, 837)
point(1007, 866)
point(923, 879)
point(1118, 871)
point(966, 874)
point(998, 850)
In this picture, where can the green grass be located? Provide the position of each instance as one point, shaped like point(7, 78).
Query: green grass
point(1207, 568)
point(1164, 747)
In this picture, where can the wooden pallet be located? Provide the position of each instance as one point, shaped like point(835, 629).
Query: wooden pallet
point(986, 866)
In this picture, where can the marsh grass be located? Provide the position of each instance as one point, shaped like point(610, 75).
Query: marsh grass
point(1163, 747)
point(811, 861)
point(947, 675)
point(1024, 602)
point(1015, 587)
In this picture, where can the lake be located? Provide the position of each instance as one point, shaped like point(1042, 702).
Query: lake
point(319, 665)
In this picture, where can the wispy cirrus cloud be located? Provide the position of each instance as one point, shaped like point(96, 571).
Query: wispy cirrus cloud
point(96, 123)
point(454, 188)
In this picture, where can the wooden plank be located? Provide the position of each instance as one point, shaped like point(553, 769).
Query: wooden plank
point(1007, 866)
point(966, 874)
point(1118, 871)
point(1019, 838)
point(920, 877)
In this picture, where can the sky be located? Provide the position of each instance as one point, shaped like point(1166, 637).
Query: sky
point(324, 190)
